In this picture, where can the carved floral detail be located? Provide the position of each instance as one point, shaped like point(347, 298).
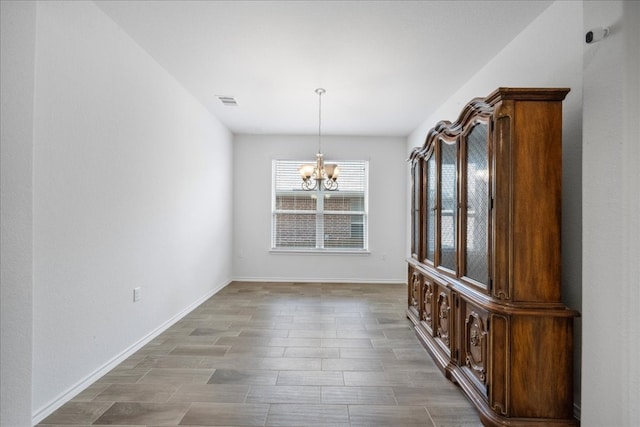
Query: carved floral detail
point(415, 289)
point(426, 303)
point(475, 345)
point(443, 317)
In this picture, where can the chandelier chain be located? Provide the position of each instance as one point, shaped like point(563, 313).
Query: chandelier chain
point(320, 91)
point(320, 176)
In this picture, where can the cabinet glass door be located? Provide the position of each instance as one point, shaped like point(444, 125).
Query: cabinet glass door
point(430, 208)
point(448, 205)
point(415, 211)
point(477, 205)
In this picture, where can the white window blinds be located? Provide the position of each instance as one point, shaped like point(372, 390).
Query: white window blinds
point(319, 219)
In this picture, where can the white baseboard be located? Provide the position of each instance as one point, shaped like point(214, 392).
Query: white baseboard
point(74, 390)
point(314, 280)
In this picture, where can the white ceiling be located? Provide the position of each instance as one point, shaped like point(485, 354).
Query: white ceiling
point(386, 65)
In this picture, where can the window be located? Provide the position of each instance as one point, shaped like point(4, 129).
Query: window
point(319, 219)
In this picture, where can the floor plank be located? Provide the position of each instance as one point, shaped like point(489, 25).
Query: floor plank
point(279, 354)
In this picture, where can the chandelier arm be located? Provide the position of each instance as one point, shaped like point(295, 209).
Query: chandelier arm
point(329, 184)
point(309, 184)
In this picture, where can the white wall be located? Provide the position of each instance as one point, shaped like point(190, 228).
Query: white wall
point(17, 35)
point(252, 260)
point(132, 188)
point(548, 53)
point(611, 174)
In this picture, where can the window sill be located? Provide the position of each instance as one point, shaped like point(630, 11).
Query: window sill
point(319, 252)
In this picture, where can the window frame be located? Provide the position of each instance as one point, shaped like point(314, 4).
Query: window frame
point(320, 212)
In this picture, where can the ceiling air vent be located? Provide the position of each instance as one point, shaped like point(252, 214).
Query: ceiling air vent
point(228, 101)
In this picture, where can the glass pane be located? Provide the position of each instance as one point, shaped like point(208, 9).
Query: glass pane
point(448, 205)
point(430, 206)
point(415, 204)
point(296, 202)
point(344, 231)
point(341, 202)
point(295, 230)
point(477, 233)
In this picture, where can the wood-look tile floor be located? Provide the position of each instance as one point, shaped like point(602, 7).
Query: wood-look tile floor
point(279, 354)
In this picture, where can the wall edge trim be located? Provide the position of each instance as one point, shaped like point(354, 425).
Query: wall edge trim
point(320, 280)
point(40, 414)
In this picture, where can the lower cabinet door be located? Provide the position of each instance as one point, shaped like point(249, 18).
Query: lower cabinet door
point(415, 281)
point(444, 318)
point(474, 336)
point(426, 314)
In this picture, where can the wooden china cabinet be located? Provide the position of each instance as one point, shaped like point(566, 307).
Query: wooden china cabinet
point(484, 273)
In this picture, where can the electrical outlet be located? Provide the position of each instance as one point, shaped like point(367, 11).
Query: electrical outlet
point(136, 294)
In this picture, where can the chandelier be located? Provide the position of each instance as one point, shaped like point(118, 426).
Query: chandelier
point(320, 175)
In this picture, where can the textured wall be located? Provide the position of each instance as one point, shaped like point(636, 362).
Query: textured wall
point(17, 60)
point(611, 285)
point(252, 210)
point(132, 188)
